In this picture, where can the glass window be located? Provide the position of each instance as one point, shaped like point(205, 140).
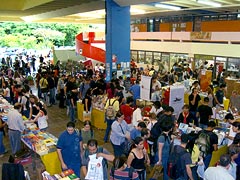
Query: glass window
point(233, 66)
point(165, 61)
point(134, 56)
point(203, 61)
point(141, 56)
point(149, 58)
point(221, 63)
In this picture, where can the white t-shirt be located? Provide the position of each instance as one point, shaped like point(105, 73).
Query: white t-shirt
point(232, 134)
point(137, 115)
point(8, 92)
point(155, 111)
point(154, 85)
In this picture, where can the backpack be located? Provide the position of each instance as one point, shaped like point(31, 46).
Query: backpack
point(130, 172)
point(110, 111)
point(174, 166)
point(104, 161)
point(203, 143)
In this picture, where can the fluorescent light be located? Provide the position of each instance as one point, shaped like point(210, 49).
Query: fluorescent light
point(165, 6)
point(137, 11)
point(210, 3)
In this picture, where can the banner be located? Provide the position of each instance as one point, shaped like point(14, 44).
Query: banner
point(145, 91)
point(176, 99)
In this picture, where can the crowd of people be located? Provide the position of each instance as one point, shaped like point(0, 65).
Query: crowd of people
point(141, 135)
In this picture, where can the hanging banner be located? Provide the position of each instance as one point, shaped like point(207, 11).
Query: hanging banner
point(176, 99)
point(145, 91)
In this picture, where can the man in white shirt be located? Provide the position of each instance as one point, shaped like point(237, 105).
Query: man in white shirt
point(221, 171)
point(137, 115)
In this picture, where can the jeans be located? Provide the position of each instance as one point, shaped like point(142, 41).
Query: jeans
point(142, 174)
point(207, 160)
point(118, 149)
point(72, 112)
point(194, 113)
point(2, 148)
point(109, 124)
point(15, 140)
point(52, 96)
point(165, 170)
point(194, 172)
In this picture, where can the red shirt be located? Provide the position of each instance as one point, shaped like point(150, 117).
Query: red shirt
point(127, 112)
point(166, 97)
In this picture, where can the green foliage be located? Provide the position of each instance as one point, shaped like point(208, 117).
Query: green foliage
point(38, 35)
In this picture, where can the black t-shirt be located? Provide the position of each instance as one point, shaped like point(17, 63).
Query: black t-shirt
point(89, 102)
point(193, 107)
point(213, 139)
point(204, 112)
point(185, 160)
point(236, 139)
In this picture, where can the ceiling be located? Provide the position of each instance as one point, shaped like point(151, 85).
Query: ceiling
point(92, 11)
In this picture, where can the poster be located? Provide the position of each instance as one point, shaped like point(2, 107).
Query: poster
point(176, 99)
point(145, 91)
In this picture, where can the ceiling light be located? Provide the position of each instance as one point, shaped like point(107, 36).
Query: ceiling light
point(165, 6)
point(210, 3)
point(137, 11)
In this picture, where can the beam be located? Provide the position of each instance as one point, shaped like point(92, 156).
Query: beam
point(85, 7)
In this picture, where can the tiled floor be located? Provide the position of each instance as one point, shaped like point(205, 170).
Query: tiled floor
point(57, 124)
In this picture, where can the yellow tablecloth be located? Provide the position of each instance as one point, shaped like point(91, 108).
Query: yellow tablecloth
point(97, 116)
point(52, 163)
point(216, 154)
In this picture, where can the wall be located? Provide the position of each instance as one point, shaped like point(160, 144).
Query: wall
point(229, 50)
point(220, 26)
point(206, 26)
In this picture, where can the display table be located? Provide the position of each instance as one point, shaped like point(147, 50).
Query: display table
point(216, 154)
point(97, 115)
point(44, 145)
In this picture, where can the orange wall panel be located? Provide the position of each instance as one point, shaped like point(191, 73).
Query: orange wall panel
point(220, 26)
point(142, 27)
point(189, 26)
point(165, 27)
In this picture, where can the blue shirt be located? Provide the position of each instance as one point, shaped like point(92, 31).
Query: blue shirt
point(135, 89)
point(118, 135)
point(70, 147)
point(135, 133)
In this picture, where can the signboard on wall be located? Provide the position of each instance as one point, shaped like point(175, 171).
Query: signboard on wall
point(200, 35)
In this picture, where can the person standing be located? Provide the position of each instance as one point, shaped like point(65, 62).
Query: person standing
point(15, 127)
point(205, 113)
point(2, 147)
point(219, 172)
point(93, 148)
point(69, 148)
point(119, 134)
point(194, 99)
point(60, 89)
point(135, 91)
point(111, 105)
